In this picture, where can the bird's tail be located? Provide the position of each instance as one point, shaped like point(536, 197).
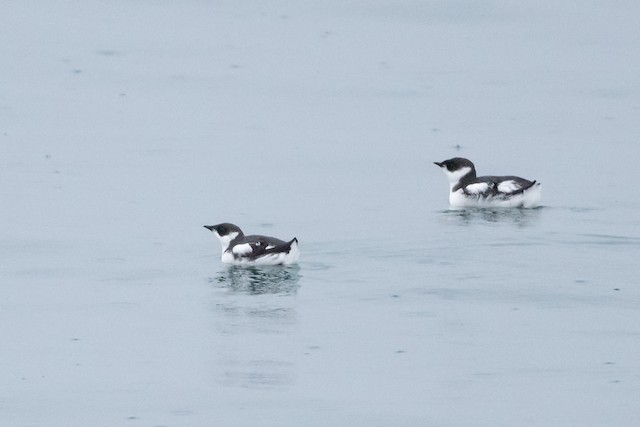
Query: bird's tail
point(526, 187)
point(294, 252)
point(293, 242)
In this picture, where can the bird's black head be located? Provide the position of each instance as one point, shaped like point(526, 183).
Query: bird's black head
point(224, 229)
point(456, 164)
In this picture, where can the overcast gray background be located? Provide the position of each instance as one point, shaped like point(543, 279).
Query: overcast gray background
point(127, 125)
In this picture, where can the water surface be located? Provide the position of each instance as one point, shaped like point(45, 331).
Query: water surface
point(120, 140)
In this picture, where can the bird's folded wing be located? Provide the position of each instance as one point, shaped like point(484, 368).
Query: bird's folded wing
point(242, 249)
point(509, 186)
point(478, 188)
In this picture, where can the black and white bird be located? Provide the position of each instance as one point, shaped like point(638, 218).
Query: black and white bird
point(253, 250)
point(469, 190)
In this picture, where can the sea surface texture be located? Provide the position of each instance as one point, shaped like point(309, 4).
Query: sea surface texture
point(125, 126)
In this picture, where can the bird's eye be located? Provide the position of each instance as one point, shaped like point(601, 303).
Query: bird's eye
point(450, 167)
point(222, 231)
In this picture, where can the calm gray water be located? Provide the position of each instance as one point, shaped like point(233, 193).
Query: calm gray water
point(126, 127)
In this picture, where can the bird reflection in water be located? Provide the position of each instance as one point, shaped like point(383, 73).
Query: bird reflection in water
point(518, 216)
point(259, 280)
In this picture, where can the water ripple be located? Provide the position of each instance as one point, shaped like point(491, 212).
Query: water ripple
point(518, 217)
point(259, 280)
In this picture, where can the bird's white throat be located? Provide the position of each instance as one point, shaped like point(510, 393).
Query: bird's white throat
point(455, 176)
point(226, 239)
